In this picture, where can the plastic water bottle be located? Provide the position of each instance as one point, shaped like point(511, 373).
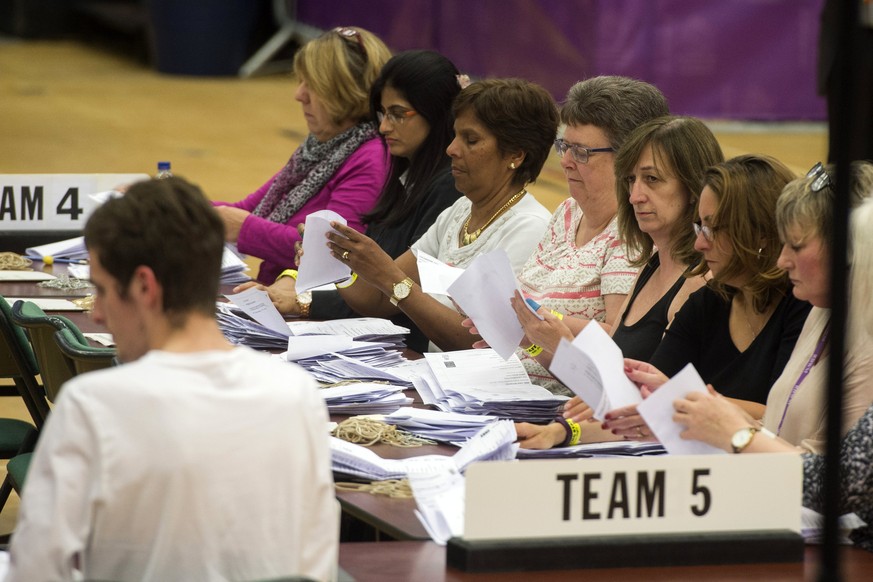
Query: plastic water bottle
point(163, 171)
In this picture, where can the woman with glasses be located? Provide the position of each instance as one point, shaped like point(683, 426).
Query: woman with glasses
point(796, 409)
point(341, 164)
point(504, 129)
point(412, 101)
point(713, 419)
point(580, 268)
point(740, 329)
point(659, 174)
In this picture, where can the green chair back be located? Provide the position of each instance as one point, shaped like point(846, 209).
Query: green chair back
point(82, 355)
point(18, 362)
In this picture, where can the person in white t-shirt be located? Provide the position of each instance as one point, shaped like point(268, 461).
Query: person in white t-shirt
point(193, 460)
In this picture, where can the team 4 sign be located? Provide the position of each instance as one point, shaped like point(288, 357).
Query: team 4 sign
point(53, 201)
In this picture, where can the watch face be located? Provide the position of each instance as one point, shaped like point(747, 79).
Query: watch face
point(742, 438)
point(304, 298)
point(401, 289)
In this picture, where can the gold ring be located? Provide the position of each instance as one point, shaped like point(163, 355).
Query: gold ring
point(345, 255)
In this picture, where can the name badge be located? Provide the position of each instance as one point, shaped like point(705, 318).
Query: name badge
point(31, 202)
point(665, 494)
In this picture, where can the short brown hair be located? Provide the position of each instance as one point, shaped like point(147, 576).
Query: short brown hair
point(521, 115)
point(340, 66)
point(682, 147)
point(616, 105)
point(747, 188)
point(169, 226)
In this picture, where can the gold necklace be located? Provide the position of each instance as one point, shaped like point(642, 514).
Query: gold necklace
point(469, 237)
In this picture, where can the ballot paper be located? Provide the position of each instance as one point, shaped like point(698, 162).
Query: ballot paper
point(48, 304)
point(364, 398)
point(21, 276)
point(812, 527)
point(483, 293)
point(481, 382)
point(104, 339)
point(657, 410)
point(439, 425)
point(605, 449)
point(256, 304)
point(233, 268)
point(318, 266)
point(70, 249)
point(592, 366)
point(436, 276)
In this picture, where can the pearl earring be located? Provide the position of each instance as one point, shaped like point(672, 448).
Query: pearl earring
point(512, 165)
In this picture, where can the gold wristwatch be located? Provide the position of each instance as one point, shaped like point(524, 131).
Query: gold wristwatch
point(401, 290)
point(304, 301)
point(743, 438)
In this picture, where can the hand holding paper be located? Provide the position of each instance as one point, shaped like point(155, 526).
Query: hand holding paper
point(317, 266)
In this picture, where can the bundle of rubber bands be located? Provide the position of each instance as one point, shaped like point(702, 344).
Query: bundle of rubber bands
point(367, 431)
point(396, 488)
point(14, 262)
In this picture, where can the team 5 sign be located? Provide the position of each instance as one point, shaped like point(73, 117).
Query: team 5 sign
point(665, 494)
point(53, 201)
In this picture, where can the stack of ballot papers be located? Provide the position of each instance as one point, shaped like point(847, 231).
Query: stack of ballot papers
point(364, 398)
point(607, 449)
point(440, 426)
point(812, 525)
point(72, 249)
point(482, 382)
point(233, 268)
point(496, 442)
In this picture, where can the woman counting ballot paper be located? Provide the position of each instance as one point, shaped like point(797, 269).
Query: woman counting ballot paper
point(341, 164)
point(412, 102)
point(504, 129)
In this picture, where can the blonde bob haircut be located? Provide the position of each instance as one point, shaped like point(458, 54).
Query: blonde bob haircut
point(340, 66)
point(747, 188)
point(861, 259)
point(682, 148)
point(813, 212)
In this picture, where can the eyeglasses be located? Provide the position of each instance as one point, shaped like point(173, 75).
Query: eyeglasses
point(708, 232)
point(353, 35)
point(821, 178)
point(580, 154)
point(395, 115)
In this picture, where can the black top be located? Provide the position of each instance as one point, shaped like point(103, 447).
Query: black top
point(700, 334)
point(640, 340)
point(395, 241)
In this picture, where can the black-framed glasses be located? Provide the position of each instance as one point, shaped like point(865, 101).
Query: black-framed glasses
point(820, 178)
point(396, 115)
point(580, 154)
point(708, 232)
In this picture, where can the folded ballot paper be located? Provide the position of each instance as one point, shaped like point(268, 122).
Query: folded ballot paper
point(448, 427)
point(364, 398)
point(606, 449)
point(592, 366)
point(318, 266)
point(482, 382)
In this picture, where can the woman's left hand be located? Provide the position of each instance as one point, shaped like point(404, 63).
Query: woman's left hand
point(233, 219)
point(546, 332)
point(626, 422)
point(364, 256)
point(711, 418)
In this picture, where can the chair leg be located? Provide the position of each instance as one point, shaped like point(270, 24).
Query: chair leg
point(5, 490)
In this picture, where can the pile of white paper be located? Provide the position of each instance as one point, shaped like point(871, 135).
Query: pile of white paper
point(364, 398)
point(607, 449)
point(69, 250)
point(481, 382)
point(437, 425)
point(233, 268)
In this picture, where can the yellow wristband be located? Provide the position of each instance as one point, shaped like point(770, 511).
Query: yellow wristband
point(288, 273)
point(348, 282)
point(557, 314)
point(576, 431)
point(533, 350)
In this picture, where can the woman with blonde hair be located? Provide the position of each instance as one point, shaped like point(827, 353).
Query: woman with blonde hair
point(340, 166)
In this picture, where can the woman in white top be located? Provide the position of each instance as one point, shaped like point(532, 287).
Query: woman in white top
point(504, 129)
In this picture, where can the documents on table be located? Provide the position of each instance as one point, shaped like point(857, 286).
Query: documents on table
point(233, 268)
point(483, 292)
point(438, 425)
point(605, 449)
point(436, 277)
point(318, 266)
point(25, 276)
point(592, 366)
point(657, 410)
point(48, 303)
point(104, 339)
point(481, 382)
point(364, 398)
point(71, 249)
point(256, 304)
point(812, 526)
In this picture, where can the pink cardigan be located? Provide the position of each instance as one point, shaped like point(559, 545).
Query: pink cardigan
point(351, 192)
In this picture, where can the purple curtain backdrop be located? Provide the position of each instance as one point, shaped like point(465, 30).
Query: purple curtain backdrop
point(736, 59)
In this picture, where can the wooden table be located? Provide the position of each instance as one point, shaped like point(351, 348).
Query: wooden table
point(425, 562)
